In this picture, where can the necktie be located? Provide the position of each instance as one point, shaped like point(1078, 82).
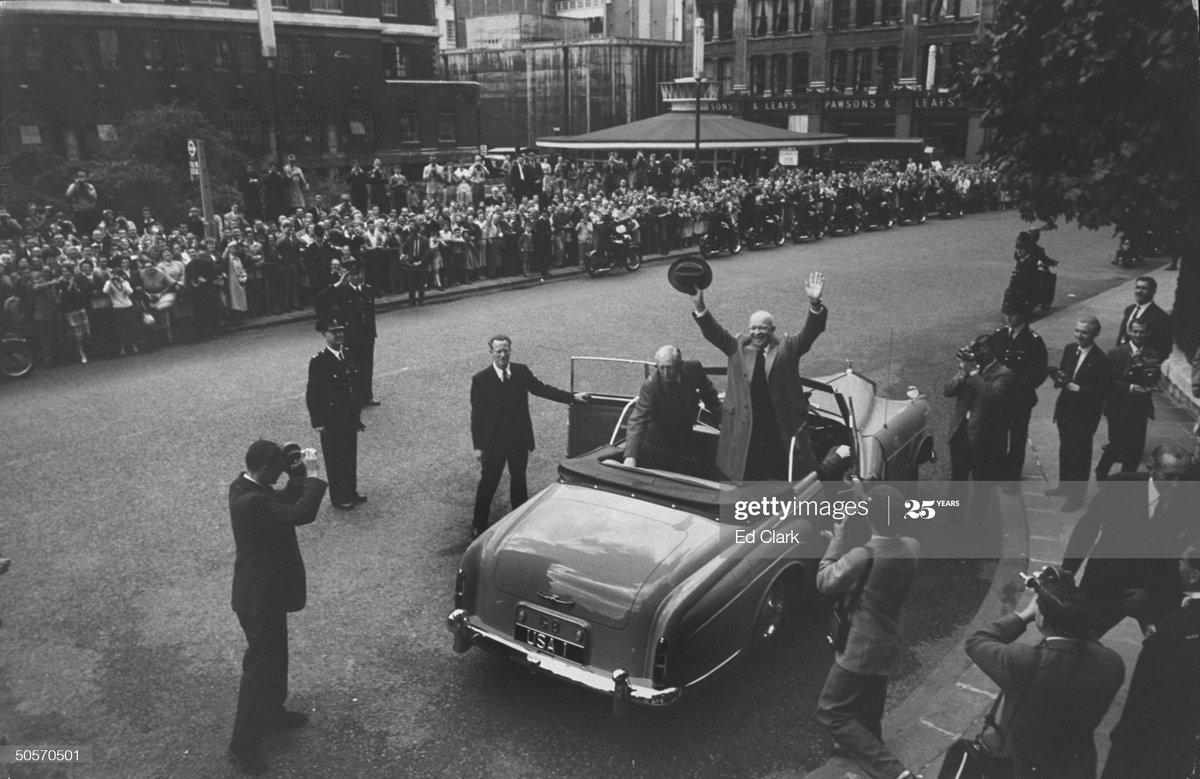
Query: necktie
point(1078, 363)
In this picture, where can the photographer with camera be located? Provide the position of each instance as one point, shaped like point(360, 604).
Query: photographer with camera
point(1130, 406)
point(1055, 693)
point(874, 578)
point(978, 439)
point(268, 582)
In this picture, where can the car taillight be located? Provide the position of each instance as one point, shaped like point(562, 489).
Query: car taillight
point(659, 674)
point(460, 589)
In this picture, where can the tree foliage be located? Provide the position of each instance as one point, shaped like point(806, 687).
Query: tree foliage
point(1092, 112)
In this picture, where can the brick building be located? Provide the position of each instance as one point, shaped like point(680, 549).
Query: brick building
point(847, 66)
point(352, 78)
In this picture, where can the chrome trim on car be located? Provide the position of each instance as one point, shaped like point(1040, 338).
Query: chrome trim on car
point(467, 634)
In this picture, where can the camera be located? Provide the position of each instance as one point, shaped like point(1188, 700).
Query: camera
point(293, 459)
point(1049, 573)
point(967, 353)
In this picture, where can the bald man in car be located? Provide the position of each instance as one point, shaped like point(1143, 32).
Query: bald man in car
point(660, 428)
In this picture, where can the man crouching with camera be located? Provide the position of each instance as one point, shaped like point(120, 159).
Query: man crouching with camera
point(268, 582)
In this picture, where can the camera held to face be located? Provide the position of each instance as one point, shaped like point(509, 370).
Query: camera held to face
point(293, 459)
point(968, 353)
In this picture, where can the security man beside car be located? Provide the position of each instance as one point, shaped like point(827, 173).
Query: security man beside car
point(1020, 349)
point(501, 429)
point(268, 582)
point(882, 571)
point(335, 411)
point(659, 433)
point(765, 402)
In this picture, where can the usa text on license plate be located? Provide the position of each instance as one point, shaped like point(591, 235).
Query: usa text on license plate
point(549, 644)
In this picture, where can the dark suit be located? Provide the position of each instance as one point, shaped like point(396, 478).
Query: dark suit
point(1055, 695)
point(501, 428)
point(755, 435)
point(1158, 324)
point(268, 582)
point(318, 259)
point(420, 257)
point(1025, 355)
point(1077, 414)
point(852, 701)
point(977, 426)
point(1157, 732)
point(334, 405)
point(1128, 548)
point(659, 434)
point(1128, 411)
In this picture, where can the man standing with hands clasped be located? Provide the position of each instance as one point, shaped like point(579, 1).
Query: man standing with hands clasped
point(765, 405)
point(268, 582)
point(875, 579)
point(501, 430)
point(335, 410)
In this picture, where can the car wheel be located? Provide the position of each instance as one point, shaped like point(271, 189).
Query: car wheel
point(771, 611)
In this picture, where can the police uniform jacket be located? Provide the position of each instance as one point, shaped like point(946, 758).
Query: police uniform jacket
point(1027, 358)
point(358, 310)
point(332, 402)
point(268, 571)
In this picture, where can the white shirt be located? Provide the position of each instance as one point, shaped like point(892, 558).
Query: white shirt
point(338, 354)
point(503, 375)
point(1083, 353)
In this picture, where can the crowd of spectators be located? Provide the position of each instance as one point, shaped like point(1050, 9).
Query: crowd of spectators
point(85, 282)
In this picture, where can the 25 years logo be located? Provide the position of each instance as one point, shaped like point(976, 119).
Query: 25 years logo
point(926, 509)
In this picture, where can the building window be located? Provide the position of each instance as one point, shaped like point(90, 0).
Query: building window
point(725, 22)
point(445, 128)
point(357, 130)
point(758, 75)
point(779, 74)
point(889, 63)
point(967, 8)
point(451, 35)
point(390, 8)
point(110, 50)
point(327, 6)
point(77, 50)
point(837, 69)
point(840, 18)
point(306, 58)
point(803, 15)
point(864, 13)
point(246, 51)
point(285, 55)
point(222, 55)
point(725, 75)
point(398, 64)
point(244, 124)
point(595, 25)
point(280, 4)
point(406, 129)
point(31, 135)
point(301, 126)
point(799, 71)
point(864, 74)
point(152, 49)
point(758, 18)
point(210, 2)
point(892, 10)
point(782, 17)
point(107, 133)
point(35, 51)
point(183, 52)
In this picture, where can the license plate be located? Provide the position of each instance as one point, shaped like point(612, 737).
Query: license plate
point(544, 642)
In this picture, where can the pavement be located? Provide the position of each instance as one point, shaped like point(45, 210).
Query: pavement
point(951, 702)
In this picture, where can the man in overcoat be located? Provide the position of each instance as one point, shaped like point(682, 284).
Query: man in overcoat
point(765, 404)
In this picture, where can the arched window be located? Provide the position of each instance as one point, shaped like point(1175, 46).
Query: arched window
point(243, 122)
point(301, 127)
point(357, 128)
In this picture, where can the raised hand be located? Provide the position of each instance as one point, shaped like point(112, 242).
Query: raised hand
point(814, 287)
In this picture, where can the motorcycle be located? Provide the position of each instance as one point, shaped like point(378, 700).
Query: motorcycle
point(721, 235)
point(618, 250)
point(950, 204)
point(809, 222)
point(1033, 282)
point(847, 219)
point(767, 232)
point(880, 215)
point(911, 212)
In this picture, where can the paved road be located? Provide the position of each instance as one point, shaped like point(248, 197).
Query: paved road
point(117, 631)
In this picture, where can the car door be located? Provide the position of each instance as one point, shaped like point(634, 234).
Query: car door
point(613, 384)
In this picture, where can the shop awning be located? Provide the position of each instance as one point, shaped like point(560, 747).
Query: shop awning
point(677, 130)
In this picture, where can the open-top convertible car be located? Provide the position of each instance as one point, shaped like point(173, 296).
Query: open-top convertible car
point(639, 583)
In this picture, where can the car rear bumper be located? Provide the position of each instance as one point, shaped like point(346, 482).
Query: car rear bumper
point(615, 685)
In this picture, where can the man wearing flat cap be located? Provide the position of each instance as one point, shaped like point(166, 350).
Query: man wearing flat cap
point(765, 405)
point(268, 582)
point(334, 408)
